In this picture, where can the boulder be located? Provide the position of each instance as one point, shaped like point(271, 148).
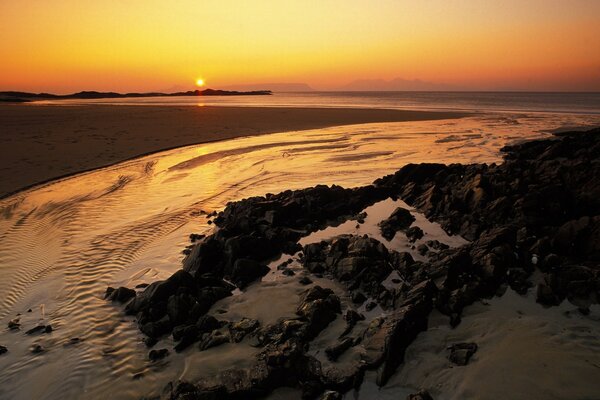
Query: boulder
point(400, 219)
point(159, 354)
point(461, 353)
point(120, 295)
point(245, 271)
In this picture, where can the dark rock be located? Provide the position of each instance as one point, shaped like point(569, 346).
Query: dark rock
point(238, 330)
point(386, 339)
point(421, 395)
point(37, 348)
point(159, 354)
point(14, 324)
point(318, 307)
point(288, 272)
point(414, 233)
point(436, 245)
point(213, 339)
point(351, 317)
point(423, 249)
point(358, 298)
point(370, 306)
point(156, 329)
point(400, 219)
point(186, 335)
point(160, 291)
point(334, 351)
point(246, 271)
point(39, 329)
point(3, 350)
point(305, 280)
point(150, 341)
point(208, 323)
point(461, 353)
point(179, 307)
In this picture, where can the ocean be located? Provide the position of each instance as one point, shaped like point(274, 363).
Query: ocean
point(544, 102)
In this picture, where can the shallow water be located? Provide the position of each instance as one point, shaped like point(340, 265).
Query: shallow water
point(63, 243)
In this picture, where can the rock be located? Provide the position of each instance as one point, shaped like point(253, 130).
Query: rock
point(159, 354)
point(461, 353)
point(545, 295)
point(120, 295)
point(423, 249)
point(186, 335)
point(160, 291)
point(36, 349)
point(331, 395)
point(39, 329)
point(414, 233)
point(421, 395)
point(358, 298)
point(305, 280)
point(246, 271)
point(400, 219)
point(3, 350)
point(14, 324)
point(180, 308)
point(318, 307)
point(208, 323)
point(569, 235)
point(334, 351)
point(436, 245)
point(238, 330)
point(288, 272)
point(386, 339)
point(156, 329)
point(213, 339)
point(351, 317)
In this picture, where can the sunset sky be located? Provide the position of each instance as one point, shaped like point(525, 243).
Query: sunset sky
point(137, 45)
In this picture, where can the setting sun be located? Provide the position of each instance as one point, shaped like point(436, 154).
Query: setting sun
point(200, 82)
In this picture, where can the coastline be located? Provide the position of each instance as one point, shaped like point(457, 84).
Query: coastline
point(45, 143)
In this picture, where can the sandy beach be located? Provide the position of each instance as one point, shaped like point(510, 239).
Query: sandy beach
point(41, 143)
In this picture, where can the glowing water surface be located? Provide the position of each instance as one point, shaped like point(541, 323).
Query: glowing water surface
point(63, 243)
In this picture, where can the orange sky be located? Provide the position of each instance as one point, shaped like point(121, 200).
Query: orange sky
point(138, 45)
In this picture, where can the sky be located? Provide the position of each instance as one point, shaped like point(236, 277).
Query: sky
point(64, 46)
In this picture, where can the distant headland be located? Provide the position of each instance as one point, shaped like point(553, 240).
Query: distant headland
point(23, 97)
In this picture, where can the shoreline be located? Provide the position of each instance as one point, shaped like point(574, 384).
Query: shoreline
point(52, 142)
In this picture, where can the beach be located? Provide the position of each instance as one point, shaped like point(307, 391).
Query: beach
point(41, 143)
point(138, 222)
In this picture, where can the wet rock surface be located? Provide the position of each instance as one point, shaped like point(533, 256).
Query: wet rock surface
point(537, 211)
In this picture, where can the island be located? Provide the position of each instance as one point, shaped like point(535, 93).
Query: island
point(23, 97)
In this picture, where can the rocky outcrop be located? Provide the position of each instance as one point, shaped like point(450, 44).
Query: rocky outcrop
point(539, 210)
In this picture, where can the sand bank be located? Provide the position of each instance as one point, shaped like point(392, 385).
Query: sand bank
point(40, 143)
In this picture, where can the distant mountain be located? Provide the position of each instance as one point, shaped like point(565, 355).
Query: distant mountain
point(24, 96)
point(397, 84)
point(274, 87)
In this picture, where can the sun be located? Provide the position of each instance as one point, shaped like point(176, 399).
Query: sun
point(200, 82)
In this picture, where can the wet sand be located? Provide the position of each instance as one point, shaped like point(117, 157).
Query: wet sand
point(41, 143)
